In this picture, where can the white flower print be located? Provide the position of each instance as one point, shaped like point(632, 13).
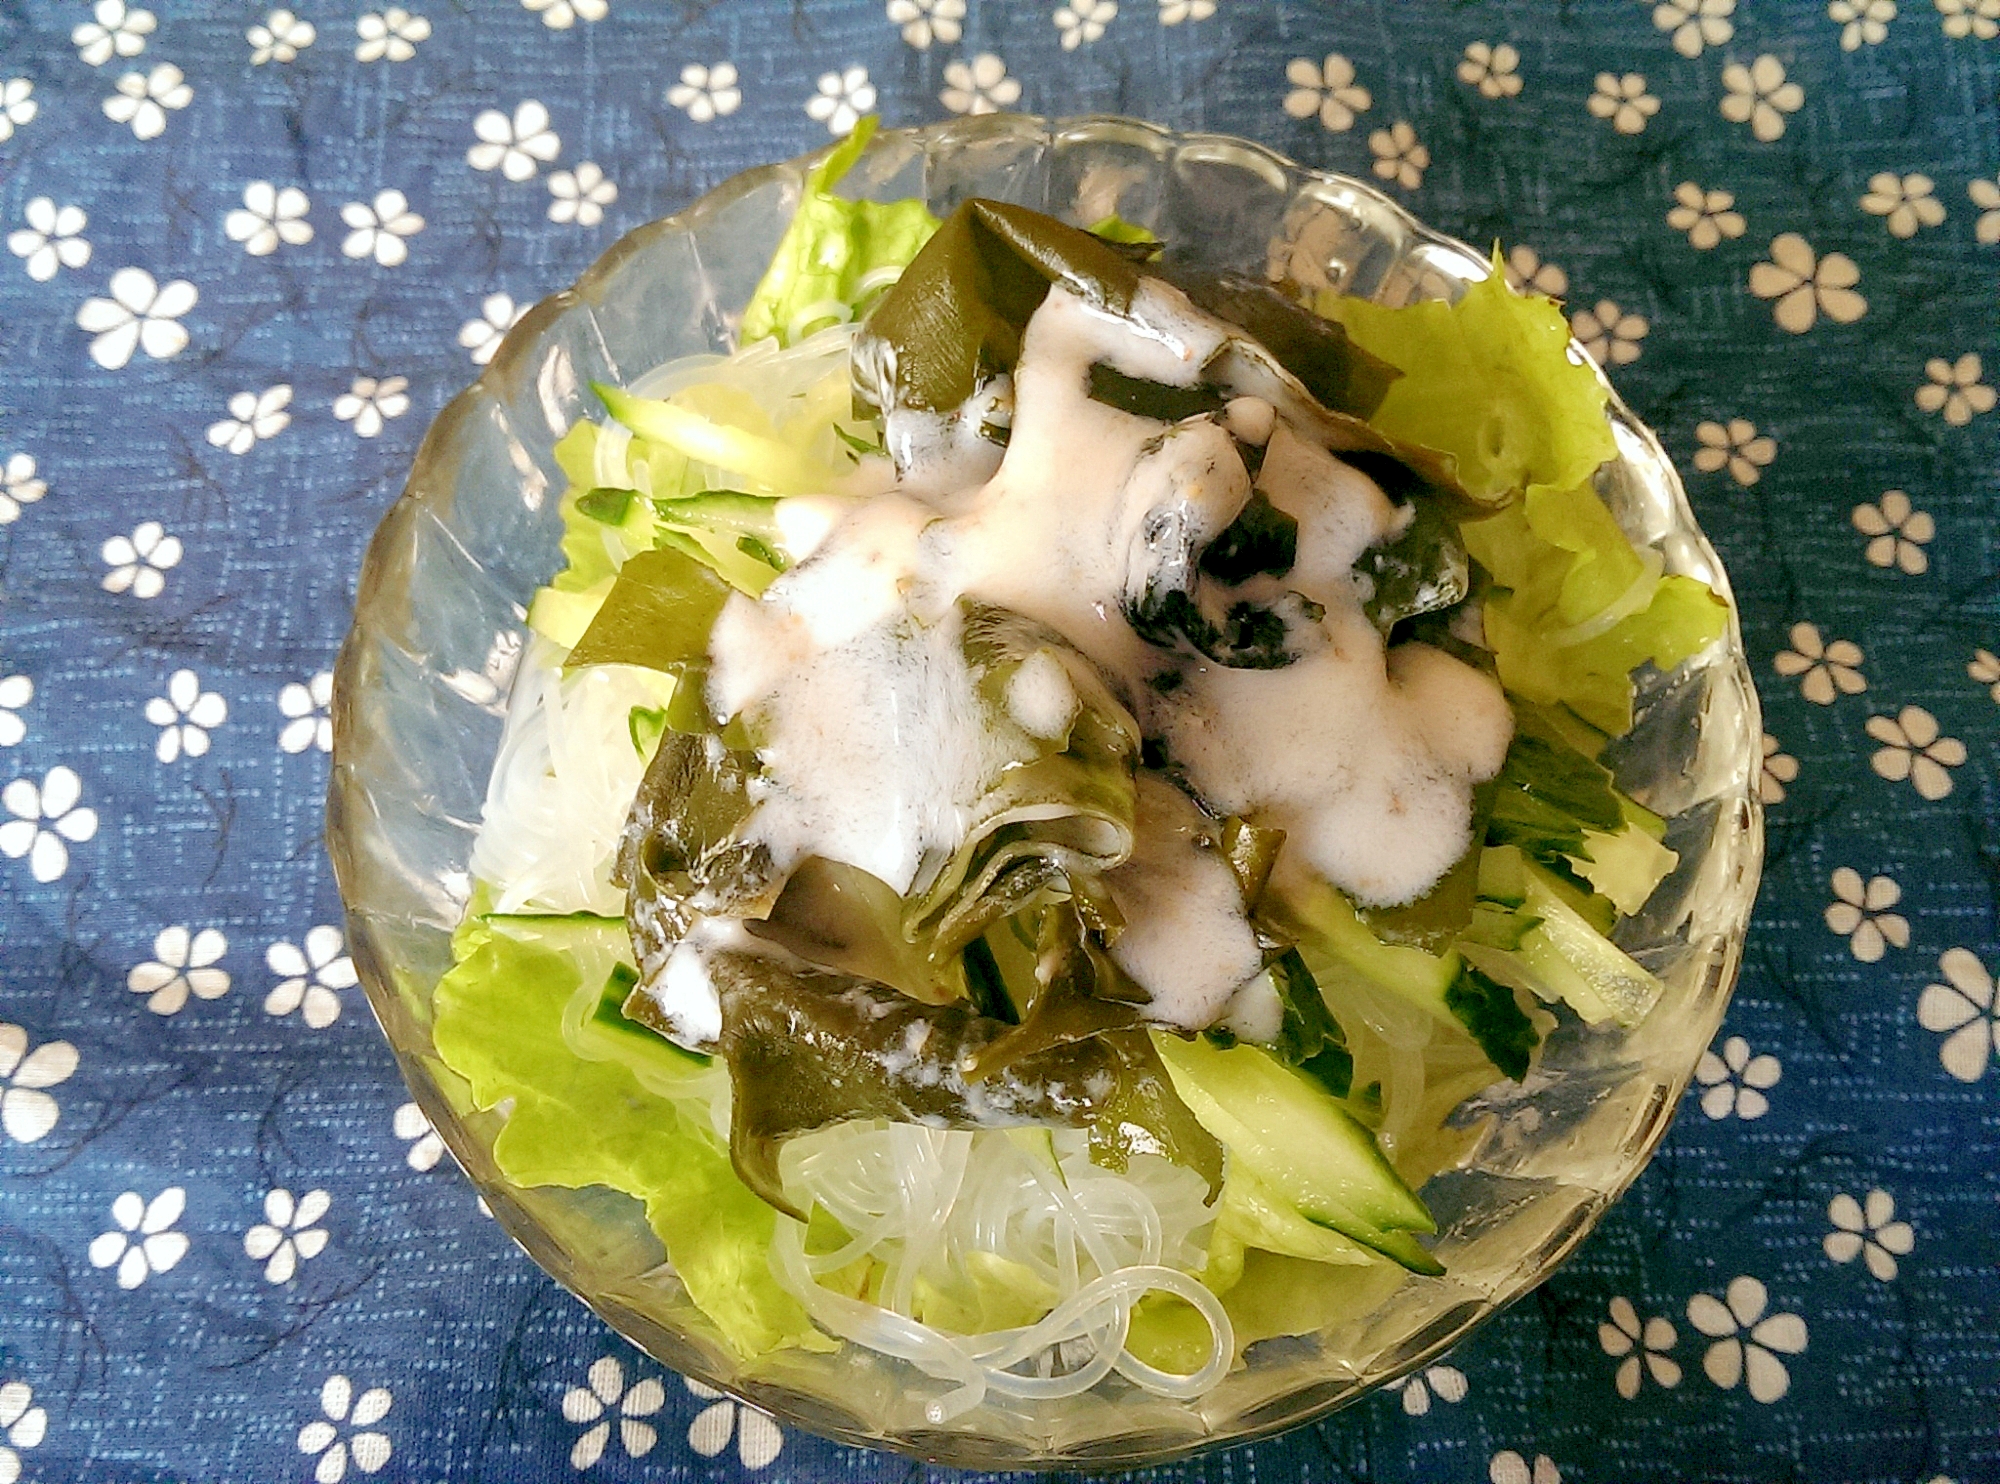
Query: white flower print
point(183, 963)
point(1911, 748)
point(1962, 1010)
point(1747, 1339)
point(115, 30)
point(1734, 1083)
point(1736, 446)
point(1862, 22)
point(580, 195)
point(185, 715)
point(1608, 334)
point(925, 21)
point(17, 106)
point(1961, 18)
point(1827, 668)
point(313, 977)
point(22, 1425)
point(1173, 12)
point(144, 1241)
point(1955, 389)
point(267, 217)
point(139, 562)
point(1446, 1383)
point(1509, 1467)
point(1624, 101)
point(1528, 274)
point(605, 1391)
point(1759, 96)
point(289, 1234)
point(841, 99)
point(758, 1440)
point(1985, 194)
point(706, 93)
point(367, 1449)
point(1706, 216)
point(1082, 21)
point(560, 15)
point(1695, 24)
point(52, 239)
point(391, 35)
point(1897, 532)
point(517, 147)
point(1984, 667)
point(1860, 913)
point(1804, 285)
point(16, 691)
point(1491, 69)
point(368, 403)
point(19, 486)
point(1636, 1346)
point(379, 230)
point(253, 417)
point(140, 315)
point(1325, 88)
point(1780, 768)
point(27, 1112)
point(1869, 1232)
point(279, 37)
point(498, 314)
point(411, 1126)
point(308, 709)
point(1907, 201)
point(143, 99)
point(45, 817)
point(1399, 156)
point(979, 86)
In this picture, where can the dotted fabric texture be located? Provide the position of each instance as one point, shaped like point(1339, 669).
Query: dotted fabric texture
point(251, 254)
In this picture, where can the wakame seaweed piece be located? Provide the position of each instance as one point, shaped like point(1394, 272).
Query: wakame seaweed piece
point(1437, 917)
point(1262, 541)
point(1309, 1038)
point(1144, 1115)
point(658, 614)
point(1243, 635)
point(985, 986)
point(1075, 994)
point(1548, 793)
point(1251, 850)
point(607, 505)
point(1153, 399)
point(1424, 570)
point(836, 916)
point(1488, 1010)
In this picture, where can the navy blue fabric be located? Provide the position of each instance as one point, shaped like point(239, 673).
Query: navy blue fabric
point(1803, 1283)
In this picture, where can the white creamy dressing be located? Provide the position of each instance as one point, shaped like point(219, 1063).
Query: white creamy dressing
point(874, 745)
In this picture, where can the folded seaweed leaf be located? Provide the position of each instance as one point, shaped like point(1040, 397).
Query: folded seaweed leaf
point(658, 614)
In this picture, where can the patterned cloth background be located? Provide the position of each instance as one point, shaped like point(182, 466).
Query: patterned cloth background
point(252, 252)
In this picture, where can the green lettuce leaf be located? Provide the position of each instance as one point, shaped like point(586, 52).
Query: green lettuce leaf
point(578, 1123)
point(819, 274)
point(1487, 380)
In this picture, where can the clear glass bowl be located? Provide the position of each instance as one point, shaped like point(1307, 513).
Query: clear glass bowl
point(421, 687)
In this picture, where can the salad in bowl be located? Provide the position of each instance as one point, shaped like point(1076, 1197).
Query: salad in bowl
point(1067, 815)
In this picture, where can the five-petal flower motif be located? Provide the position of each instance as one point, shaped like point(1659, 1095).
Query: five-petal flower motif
point(1862, 22)
point(183, 964)
point(706, 93)
point(1734, 1083)
point(141, 314)
point(498, 314)
point(1963, 1009)
point(979, 86)
point(1445, 1382)
point(22, 1425)
point(518, 146)
point(391, 35)
point(560, 15)
point(142, 1241)
point(1779, 769)
point(1906, 202)
point(1706, 216)
point(1860, 913)
point(1639, 1349)
point(758, 1439)
point(1868, 1230)
point(143, 100)
point(1510, 1467)
point(268, 216)
point(1083, 21)
point(1399, 155)
point(413, 1128)
point(17, 106)
point(313, 977)
point(1805, 285)
point(1527, 273)
point(16, 691)
point(289, 1234)
point(366, 1448)
point(1609, 335)
point(1694, 24)
point(840, 99)
point(279, 37)
point(925, 21)
point(185, 715)
point(1955, 388)
point(307, 708)
point(1736, 446)
point(1759, 95)
point(27, 1112)
point(1825, 669)
point(48, 819)
point(1897, 532)
point(380, 229)
point(603, 1397)
point(1985, 194)
point(1748, 1339)
point(1911, 748)
point(1976, 18)
point(580, 195)
point(1494, 70)
point(253, 417)
point(369, 403)
point(115, 29)
point(1984, 667)
point(1327, 89)
point(138, 564)
point(1623, 100)
point(20, 485)
point(52, 239)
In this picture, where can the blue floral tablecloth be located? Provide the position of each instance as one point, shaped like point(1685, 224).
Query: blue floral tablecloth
point(252, 252)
